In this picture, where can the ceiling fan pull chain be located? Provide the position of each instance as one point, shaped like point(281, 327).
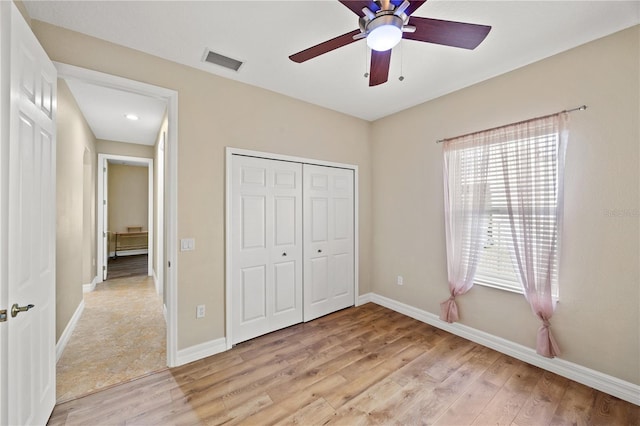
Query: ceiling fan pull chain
point(401, 78)
point(366, 61)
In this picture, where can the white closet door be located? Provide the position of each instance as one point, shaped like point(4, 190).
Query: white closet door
point(328, 240)
point(266, 246)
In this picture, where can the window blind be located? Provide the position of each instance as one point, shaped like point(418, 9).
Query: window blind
point(531, 165)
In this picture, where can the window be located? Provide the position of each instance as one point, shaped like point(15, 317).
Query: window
point(497, 265)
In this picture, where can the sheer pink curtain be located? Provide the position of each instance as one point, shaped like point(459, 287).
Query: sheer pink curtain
point(536, 220)
point(466, 161)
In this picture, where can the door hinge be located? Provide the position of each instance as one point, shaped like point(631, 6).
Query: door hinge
point(104, 268)
point(104, 202)
point(3, 315)
point(104, 169)
point(169, 264)
point(104, 235)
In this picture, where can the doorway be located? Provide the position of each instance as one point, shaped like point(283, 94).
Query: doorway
point(162, 227)
point(125, 225)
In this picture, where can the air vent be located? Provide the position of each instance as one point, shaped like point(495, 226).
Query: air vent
point(223, 61)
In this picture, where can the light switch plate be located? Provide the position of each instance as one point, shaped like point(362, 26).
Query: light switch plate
point(187, 244)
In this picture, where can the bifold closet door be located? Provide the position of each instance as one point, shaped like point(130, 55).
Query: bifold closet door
point(328, 240)
point(266, 246)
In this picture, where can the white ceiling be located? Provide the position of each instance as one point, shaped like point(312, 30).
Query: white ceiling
point(264, 33)
point(105, 110)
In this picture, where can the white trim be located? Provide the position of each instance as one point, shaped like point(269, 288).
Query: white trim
point(164, 312)
point(230, 152)
point(364, 298)
point(68, 330)
point(122, 253)
point(5, 106)
point(595, 379)
point(271, 156)
point(156, 284)
point(142, 161)
point(202, 350)
point(170, 281)
point(88, 288)
point(171, 176)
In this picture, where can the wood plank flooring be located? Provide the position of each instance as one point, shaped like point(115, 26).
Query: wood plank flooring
point(364, 365)
point(127, 266)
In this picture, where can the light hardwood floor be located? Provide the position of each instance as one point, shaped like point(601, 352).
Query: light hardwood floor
point(365, 365)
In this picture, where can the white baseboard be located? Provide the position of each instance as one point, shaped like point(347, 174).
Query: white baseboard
point(129, 252)
point(363, 298)
point(87, 288)
point(156, 283)
point(68, 330)
point(200, 351)
point(603, 382)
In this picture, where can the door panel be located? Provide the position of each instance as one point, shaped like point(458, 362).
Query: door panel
point(318, 280)
point(253, 222)
point(329, 243)
point(285, 287)
point(266, 270)
point(31, 228)
point(319, 220)
point(285, 221)
point(254, 293)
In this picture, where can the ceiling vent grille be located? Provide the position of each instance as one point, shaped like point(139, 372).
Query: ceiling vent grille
point(221, 60)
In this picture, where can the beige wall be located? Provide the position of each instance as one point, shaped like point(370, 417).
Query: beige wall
point(127, 149)
point(23, 11)
point(128, 200)
point(213, 113)
point(75, 150)
point(89, 247)
point(597, 319)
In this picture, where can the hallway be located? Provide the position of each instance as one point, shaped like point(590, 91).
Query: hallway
point(120, 336)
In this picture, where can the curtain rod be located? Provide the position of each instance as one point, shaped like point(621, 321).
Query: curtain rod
point(580, 108)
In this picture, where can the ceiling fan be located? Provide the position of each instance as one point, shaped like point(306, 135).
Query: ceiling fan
point(384, 23)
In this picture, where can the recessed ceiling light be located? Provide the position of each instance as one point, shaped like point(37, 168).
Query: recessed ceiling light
point(132, 117)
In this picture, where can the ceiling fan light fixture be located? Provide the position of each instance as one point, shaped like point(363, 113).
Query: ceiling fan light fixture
point(384, 32)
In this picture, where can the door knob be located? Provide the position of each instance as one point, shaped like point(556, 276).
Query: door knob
point(319, 251)
point(15, 309)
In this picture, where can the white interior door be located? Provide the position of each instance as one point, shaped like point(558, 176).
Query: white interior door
point(105, 218)
point(266, 237)
point(328, 240)
point(31, 229)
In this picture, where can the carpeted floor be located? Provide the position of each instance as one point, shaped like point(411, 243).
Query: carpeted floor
point(120, 336)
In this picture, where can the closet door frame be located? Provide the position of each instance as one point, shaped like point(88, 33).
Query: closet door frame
point(230, 152)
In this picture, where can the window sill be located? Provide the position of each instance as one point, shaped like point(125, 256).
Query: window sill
point(485, 283)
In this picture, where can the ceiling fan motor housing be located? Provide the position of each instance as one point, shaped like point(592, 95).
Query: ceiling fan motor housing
point(383, 29)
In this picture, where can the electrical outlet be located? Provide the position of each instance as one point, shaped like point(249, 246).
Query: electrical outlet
point(200, 311)
point(400, 280)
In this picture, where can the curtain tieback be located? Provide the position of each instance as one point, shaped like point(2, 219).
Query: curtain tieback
point(546, 323)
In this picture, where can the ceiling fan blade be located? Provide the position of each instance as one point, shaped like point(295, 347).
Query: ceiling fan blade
point(356, 6)
point(324, 47)
point(413, 5)
point(379, 72)
point(448, 33)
